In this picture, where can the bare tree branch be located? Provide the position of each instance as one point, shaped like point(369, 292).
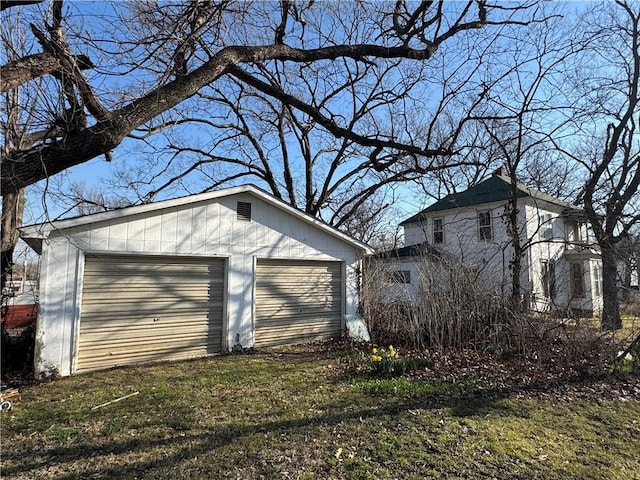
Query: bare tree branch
point(23, 70)
point(22, 168)
point(4, 4)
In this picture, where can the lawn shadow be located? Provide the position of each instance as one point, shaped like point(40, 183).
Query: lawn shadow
point(154, 455)
point(182, 446)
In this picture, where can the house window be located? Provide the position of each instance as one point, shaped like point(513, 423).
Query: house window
point(575, 232)
point(243, 211)
point(485, 232)
point(400, 276)
point(546, 226)
point(597, 280)
point(548, 271)
point(438, 231)
point(577, 280)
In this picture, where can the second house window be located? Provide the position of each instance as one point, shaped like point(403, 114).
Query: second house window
point(438, 231)
point(484, 226)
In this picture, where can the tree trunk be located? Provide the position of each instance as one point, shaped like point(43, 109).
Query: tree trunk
point(12, 210)
point(610, 309)
point(515, 264)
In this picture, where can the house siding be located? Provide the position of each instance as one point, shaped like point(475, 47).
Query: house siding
point(545, 233)
point(461, 240)
point(207, 229)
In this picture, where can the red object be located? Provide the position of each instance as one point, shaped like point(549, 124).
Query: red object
point(18, 316)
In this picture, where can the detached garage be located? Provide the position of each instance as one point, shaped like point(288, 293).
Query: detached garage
point(188, 277)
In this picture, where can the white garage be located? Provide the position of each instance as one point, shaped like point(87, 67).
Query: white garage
point(189, 277)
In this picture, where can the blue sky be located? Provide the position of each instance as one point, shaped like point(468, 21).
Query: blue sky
point(93, 173)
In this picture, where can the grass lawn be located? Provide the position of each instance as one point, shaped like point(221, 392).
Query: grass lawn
point(304, 415)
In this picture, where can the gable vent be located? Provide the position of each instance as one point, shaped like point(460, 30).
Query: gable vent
point(243, 209)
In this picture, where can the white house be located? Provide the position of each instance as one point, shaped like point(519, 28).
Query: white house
point(188, 277)
point(561, 268)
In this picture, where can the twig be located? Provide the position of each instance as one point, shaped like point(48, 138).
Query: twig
point(114, 401)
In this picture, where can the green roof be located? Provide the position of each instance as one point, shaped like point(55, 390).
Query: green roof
point(497, 188)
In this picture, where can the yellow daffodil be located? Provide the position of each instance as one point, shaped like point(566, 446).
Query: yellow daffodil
point(374, 351)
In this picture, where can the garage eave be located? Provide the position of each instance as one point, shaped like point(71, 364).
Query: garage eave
point(34, 243)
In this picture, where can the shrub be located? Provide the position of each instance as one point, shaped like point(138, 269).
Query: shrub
point(452, 310)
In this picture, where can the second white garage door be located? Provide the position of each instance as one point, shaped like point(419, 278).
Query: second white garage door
point(143, 308)
point(297, 301)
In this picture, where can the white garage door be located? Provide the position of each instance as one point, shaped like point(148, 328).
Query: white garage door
point(139, 309)
point(297, 301)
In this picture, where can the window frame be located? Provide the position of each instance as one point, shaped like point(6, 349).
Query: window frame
point(548, 278)
point(574, 231)
point(399, 276)
point(597, 280)
point(438, 234)
point(546, 226)
point(485, 226)
point(577, 280)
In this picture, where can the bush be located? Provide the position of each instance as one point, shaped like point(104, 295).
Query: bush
point(452, 311)
point(455, 312)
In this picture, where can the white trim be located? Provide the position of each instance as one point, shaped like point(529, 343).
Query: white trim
point(254, 287)
point(75, 339)
point(433, 230)
point(225, 347)
point(343, 288)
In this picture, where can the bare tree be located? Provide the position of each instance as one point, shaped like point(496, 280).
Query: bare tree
point(608, 120)
point(267, 140)
point(29, 118)
point(167, 57)
point(521, 129)
point(525, 113)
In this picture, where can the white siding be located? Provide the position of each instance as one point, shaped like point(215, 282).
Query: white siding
point(415, 233)
point(208, 229)
point(544, 232)
point(461, 240)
